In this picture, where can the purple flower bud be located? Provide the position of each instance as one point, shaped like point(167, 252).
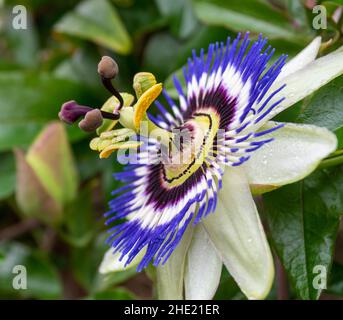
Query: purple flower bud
point(71, 111)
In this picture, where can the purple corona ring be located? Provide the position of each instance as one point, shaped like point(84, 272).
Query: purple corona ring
point(227, 90)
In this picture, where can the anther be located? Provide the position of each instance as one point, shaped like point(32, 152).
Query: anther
point(71, 112)
point(92, 121)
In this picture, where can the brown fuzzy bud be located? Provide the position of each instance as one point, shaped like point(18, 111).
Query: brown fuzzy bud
point(93, 120)
point(108, 68)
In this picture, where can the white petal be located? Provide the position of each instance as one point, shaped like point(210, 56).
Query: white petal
point(203, 267)
point(237, 234)
point(111, 263)
point(305, 81)
point(302, 59)
point(295, 153)
point(170, 276)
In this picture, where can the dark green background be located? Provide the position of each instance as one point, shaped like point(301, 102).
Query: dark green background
point(55, 60)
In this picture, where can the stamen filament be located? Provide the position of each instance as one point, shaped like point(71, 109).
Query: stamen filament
point(109, 115)
point(108, 85)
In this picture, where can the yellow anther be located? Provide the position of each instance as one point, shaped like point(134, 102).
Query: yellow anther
point(144, 103)
point(104, 144)
point(120, 145)
point(116, 133)
point(94, 144)
point(108, 134)
point(118, 139)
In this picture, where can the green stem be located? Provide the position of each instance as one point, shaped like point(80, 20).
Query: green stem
point(337, 153)
point(331, 162)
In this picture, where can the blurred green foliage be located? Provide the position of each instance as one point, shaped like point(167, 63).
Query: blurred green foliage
point(55, 60)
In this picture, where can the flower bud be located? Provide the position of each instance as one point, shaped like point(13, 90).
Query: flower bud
point(71, 111)
point(108, 68)
point(93, 120)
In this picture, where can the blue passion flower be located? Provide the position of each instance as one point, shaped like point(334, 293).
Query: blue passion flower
point(186, 202)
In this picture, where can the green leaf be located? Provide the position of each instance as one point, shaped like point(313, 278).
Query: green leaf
point(142, 18)
point(297, 13)
point(334, 1)
point(79, 67)
point(325, 109)
point(7, 175)
point(97, 21)
point(335, 285)
point(159, 54)
point(180, 14)
point(29, 100)
point(107, 281)
point(22, 44)
point(80, 222)
point(159, 57)
point(254, 15)
point(86, 262)
point(88, 163)
point(303, 219)
point(42, 278)
point(114, 294)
